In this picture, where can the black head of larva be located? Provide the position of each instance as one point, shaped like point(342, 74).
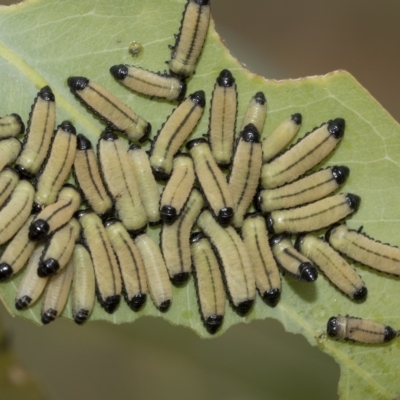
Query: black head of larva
point(299, 241)
point(137, 301)
point(297, 118)
point(119, 71)
point(134, 147)
point(244, 307)
point(77, 82)
point(22, 172)
point(164, 306)
point(259, 98)
point(49, 316)
point(110, 222)
point(277, 239)
point(23, 303)
point(196, 237)
point(67, 126)
point(332, 327)
point(250, 134)
point(180, 279)
point(111, 303)
point(202, 2)
point(36, 208)
point(225, 78)
point(308, 272)
point(81, 316)
point(5, 271)
point(182, 91)
point(46, 94)
point(38, 229)
point(19, 120)
point(195, 142)
point(269, 221)
point(389, 334)
point(48, 267)
point(168, 214)
point(258, 201)
point(109, 135)
point(353, 200)
point(199, 98)
point(225, 216)
point(82, 142)
point(160, 174)
point(336, 127)
point(213, 322)
point(271, 297)
point(360, 294)
point(329, 232)
point(340, 174)
point(146, 133)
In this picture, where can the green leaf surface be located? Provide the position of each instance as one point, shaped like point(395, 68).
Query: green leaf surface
point(44, 42)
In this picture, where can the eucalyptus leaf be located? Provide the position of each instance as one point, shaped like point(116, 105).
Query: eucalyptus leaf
point(45, 42)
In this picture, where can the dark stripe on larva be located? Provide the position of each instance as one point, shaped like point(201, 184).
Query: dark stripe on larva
point(21, 253)
point(336, 268)
point(188, 55)
point(58, 210)
point(17, 213)
point(180, 126)
point(180, 182)
point(113, 104)
point(216, 181)
point(292, 255)
point(247, 180)
point(223, 118)
point(64, 160)
point(44, 130)
point(103, 242)
point(65, 245)
point(5, 123)
point(305, 156)
point(89, 169)
point(212, 280)
point(131, 195)
point(317, 213)
point(241, 262)
point(6, 187)
point(262, 258)
point(135, 261)
point(148, 82)
point(302, 191)
point(373, 252)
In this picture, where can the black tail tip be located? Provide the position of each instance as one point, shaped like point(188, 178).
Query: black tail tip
point(213, 323)
point(202, 2)
point(328, 233)
point(160, 174)
point(82, 142)
point(81, 316)
point(196, 237)
point(195, 142)
point(23, 303)
point(119, 71)
point(146, 133)
point(20, 122)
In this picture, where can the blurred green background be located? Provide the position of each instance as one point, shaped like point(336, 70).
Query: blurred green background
point(152, 359)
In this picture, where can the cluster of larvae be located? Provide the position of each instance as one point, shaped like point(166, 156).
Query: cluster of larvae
point(91, 236)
